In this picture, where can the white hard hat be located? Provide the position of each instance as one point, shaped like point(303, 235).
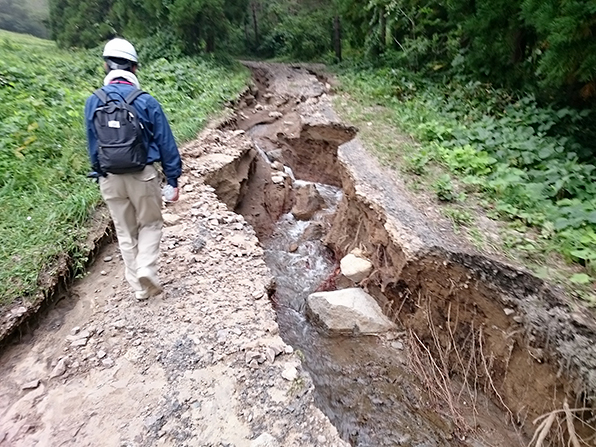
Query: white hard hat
point(122, 49)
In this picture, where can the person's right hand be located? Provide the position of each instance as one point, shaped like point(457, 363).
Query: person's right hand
point(175, 195)
point(170, 194)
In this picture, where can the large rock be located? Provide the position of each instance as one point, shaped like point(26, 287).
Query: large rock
point(347, 311)
point(355, 268)
point(308, 202)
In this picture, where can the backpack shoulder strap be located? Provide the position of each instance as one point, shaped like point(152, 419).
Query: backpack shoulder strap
point(103, 97)
point(133, 95)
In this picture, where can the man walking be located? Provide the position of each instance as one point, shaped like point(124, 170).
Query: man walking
point(127, 132)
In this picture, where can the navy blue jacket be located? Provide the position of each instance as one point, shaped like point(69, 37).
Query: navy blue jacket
point(159, 140)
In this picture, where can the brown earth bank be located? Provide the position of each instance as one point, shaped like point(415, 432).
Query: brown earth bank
point(489, 344)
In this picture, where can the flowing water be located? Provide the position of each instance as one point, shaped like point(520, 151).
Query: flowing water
point(363, 388)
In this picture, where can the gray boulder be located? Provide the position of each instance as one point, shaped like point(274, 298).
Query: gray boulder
point(348, 311)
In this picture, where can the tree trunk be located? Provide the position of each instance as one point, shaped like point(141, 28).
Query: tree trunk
point(255, 22)
point(383, 26)
point(337, 38)
point(210, 42)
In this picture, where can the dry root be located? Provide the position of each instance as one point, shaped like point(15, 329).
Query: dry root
point(436, 361)
point(560, 425)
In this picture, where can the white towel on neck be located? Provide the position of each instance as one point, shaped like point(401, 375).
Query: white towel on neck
point(127, 75)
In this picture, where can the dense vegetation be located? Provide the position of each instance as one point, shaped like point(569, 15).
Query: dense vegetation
point(523, 163)
point(545, 45)
point(28, 16)
point(45, 197)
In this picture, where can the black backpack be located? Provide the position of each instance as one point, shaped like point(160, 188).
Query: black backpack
point(120, 146)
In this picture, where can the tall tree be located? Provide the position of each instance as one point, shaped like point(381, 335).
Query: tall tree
point(566, 47)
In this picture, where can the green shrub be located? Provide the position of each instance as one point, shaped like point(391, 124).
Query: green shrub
point(529, 162)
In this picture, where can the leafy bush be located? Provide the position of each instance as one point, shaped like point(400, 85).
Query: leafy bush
point(528, 161)
point(443, 187)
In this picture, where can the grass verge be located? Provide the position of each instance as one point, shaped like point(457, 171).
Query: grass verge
point(45, 197)
point(468, 147)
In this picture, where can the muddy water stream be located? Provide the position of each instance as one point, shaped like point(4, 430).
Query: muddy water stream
point(363, 390)
point(362, 383)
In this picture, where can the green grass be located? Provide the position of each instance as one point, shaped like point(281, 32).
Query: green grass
point(45, 197)
point(529, 166)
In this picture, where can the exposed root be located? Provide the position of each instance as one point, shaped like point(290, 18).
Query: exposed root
point(564, 432)
point(438, 359)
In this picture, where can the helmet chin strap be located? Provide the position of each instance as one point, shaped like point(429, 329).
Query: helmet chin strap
point(111, 65)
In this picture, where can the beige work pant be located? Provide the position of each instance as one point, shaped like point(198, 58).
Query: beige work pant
point(134, 201)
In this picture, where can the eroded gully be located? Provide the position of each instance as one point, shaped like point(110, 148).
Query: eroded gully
point(461, 369)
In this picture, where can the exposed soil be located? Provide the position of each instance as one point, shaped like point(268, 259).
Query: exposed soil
point(201, 365)
point(488, 346)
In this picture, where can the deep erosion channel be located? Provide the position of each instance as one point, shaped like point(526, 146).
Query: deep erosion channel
point(481, 348)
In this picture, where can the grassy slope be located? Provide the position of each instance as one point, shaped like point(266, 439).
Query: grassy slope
point(45, 198)
point(443, 159)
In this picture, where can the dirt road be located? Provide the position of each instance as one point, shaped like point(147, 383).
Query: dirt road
point(202, 364)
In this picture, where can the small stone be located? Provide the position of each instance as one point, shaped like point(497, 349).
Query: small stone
point(289, 349)
point(258, 294)
point(59, 369)
point(254, 364)
point(321, 439)
point(108, 362)
point(107, 259)
point(518, 319)
point(275, 115)
point(78, 343)
point(188, 188)
point(270, 353)
point(355, 268)
point(101, 354)
point(254, 355)
point(508, 311)
point(397, 345)
point(308, 202)
point(222, 335)
point(75, 330)
point(171, 219)
point(293, 247)
point(19, 311)
point(277, 179)
point(290, 373)
point(84, 334)
point(265, 440)
point(103, 273)
point(31, 385)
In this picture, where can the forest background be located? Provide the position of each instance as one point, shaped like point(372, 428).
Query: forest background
point(498, 95)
